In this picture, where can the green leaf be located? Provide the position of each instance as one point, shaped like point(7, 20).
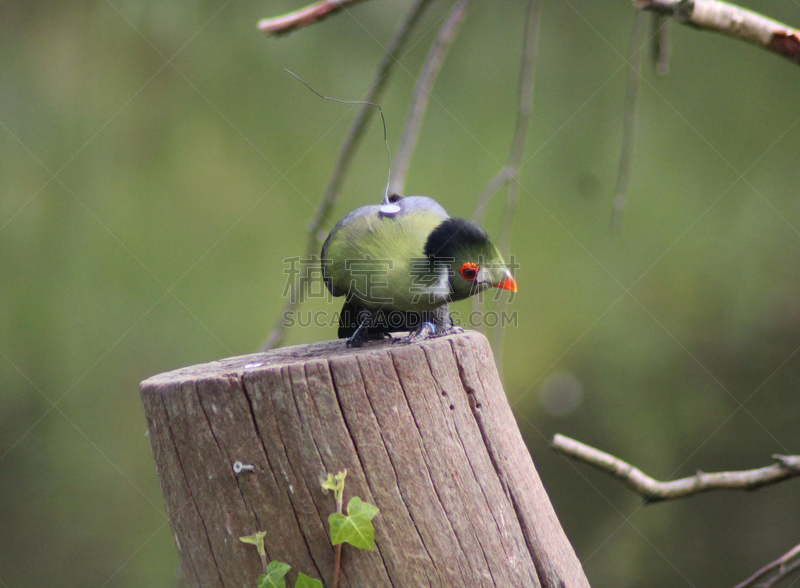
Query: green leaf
point(276, 570)
point(256, 539)
point(304, 581)
point(355, 528)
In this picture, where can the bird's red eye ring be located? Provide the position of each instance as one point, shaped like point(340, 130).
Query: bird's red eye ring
point(469, 271)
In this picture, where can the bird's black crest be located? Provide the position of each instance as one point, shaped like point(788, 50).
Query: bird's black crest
point(452, 234)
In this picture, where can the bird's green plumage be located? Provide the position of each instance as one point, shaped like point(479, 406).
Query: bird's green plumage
point(373, 256)
point(408, 261)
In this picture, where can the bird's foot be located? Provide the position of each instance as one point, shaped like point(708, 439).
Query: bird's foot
point(424, 331)
point(354, 341)
point(428, 330)
point(358, 339)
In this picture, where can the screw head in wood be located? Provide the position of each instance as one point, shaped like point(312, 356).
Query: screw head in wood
point(239, 467)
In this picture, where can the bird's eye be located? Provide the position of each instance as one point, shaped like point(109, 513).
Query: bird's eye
point(469, 271)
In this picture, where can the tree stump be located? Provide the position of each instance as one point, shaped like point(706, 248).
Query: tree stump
point(425, 433)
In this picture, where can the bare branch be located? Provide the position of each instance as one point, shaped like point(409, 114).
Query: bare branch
point(782, 573)
point(660, 47)
point(629, 126)
point(491, 188)
point(780, 564)
point(346, 154)
point(510, 173)
point(286, 23)
point(787, 466)
point(422, 89)
point(524, 108)
point(730, 20)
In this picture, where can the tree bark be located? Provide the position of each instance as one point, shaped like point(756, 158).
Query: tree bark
point(425, 433)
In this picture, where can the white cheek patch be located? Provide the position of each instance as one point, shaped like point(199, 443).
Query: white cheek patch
point(483, 276)
point(440, 289)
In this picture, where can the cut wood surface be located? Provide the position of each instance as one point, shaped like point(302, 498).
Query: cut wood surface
point(425, 433)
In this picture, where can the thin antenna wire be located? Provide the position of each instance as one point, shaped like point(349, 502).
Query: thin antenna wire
point(385, 140)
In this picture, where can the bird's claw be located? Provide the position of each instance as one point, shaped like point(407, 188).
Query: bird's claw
point(358, 340)
point(351, 342)
point(424, 331)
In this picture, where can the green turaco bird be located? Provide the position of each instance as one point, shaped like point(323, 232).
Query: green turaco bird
point(400, 264)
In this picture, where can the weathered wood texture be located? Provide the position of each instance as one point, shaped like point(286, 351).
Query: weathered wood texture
point(425, 432)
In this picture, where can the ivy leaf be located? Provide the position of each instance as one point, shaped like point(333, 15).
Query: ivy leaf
point(276, 570)
point(304, 581)
point(256, 539)
point(355, 528)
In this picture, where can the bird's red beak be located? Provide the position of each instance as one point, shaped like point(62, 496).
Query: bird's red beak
point(509, 283)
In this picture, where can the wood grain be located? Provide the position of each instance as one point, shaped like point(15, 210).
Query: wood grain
point(425, 433)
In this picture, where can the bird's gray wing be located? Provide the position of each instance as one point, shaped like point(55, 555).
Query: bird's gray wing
point(324, 261)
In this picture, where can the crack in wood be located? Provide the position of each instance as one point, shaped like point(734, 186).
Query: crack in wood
point(291, 392)
point(240, 378)
point(345, 420)
point(405, 503)
point(476, 480)
point(172, 517)
point(191, 494)
point(471, 393)
point(457, 440)
point(202, 406)
point(426, 460)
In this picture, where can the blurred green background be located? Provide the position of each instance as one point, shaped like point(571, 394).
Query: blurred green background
point(157, 165)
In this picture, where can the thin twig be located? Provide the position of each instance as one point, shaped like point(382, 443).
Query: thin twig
point(787, 466)
point(730, 20)
point(525, 107)
point(782, 573)
point(489, 191)
point(491, 188)
point(346, 154)
point(509, 175)
point(422, 89)
point(286, 23)
point(660, 46)
point(629, 122)
point(779, 563)
point(337, 563)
